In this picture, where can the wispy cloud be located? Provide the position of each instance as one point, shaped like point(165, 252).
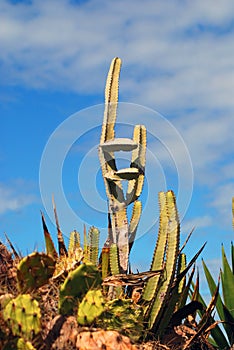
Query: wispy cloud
point(11, 198)
point(198, 222)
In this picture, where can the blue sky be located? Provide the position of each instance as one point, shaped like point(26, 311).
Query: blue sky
point(178, 61)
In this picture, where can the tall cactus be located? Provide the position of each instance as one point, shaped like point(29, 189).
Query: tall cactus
point(166, 253)
point(121, 234)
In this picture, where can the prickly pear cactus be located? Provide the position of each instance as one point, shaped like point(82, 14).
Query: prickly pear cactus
point(23, 316)
point(76, 285)
point(18, 344)
point(125, 315)
point(34, 271)
point(24, 345)
point(92, 306)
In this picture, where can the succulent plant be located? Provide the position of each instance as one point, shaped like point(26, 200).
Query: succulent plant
point(120, 233)
point(124, 315)
point(34, 271)
point(85, 289)
point(76, 285)
point(23, 316)
point(91, 306)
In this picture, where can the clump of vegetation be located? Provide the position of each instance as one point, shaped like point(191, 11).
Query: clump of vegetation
point(81, 298)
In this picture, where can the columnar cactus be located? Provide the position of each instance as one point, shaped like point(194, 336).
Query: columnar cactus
point(120, 235)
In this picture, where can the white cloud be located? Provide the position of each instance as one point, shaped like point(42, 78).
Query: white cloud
point(196, 223)
point(222, 202)
point(12, 200)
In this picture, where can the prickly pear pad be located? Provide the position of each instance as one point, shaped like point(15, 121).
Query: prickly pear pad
point(76, 285)
point(34, 271)
point(23, 316)
point(91, 307)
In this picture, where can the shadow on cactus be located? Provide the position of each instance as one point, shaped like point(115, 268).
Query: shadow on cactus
point(79, 286)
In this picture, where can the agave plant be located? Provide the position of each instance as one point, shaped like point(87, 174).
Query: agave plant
point(223, 302)
point(221, 337)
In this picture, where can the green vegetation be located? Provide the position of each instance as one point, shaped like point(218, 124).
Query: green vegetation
point(48, 299)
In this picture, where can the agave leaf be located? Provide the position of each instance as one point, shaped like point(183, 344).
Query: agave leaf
point(50, 248)
point(227, 284)
point(232, 256)
point(212, 287)
point(17, 256)
point(185, 292)
point(206, 316)
point(219, 304)
point(190, 264)
point(61, 244)
point(233, 212)
point(216, 333)
point(187, 239)
point(196, 288)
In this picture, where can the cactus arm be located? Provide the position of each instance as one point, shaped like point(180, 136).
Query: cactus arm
point(93, 245)
point(120, 231)
point(61, 244)
point(138, 161)
point(86, 246)
point(173, 229)
point(50, 248)
point(105, 256)
point(159, 252)
point(107, 159)
point(114, 261)
point(111, 100)
point(136, 214)
point(74, 242)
